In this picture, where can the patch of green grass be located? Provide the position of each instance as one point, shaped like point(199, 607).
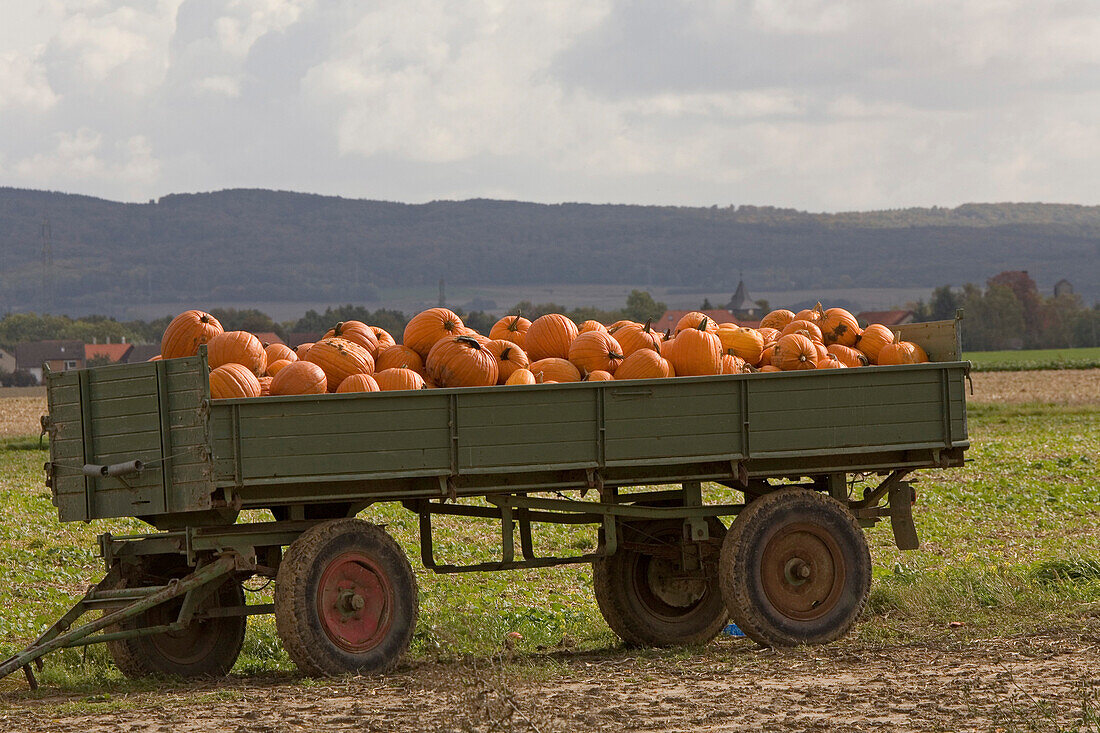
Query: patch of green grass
point(1008, 545)
point(1013, 361)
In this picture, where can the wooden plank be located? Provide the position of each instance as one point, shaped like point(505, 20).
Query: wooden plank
point(298, 445)
point(671, 449)
point(549, 454)
point(866, 416)
point(674, 425)
point(824, 439)
point(109, 426)
point(135, 442)
point(328, 465)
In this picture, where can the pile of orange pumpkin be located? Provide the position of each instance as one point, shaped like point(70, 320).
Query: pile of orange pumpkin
point(438, 350)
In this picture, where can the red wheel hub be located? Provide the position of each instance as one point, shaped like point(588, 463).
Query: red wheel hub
point(355, 602)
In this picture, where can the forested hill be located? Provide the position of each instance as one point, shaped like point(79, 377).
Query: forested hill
point(247, 245)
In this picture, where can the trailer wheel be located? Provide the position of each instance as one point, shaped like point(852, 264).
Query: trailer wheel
point(644, 597)
point(345, 599)
point(206, 648)
point(795, 569)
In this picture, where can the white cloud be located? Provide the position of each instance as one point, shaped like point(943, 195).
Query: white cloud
point(81, 156)
point(23, 83)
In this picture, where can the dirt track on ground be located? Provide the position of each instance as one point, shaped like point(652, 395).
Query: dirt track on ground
point(1032, 683)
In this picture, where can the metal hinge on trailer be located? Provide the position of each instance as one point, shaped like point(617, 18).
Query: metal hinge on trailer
point(900, 497)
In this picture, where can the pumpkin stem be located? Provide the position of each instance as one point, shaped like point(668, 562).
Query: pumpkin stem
point(668, 332)
point(514, 325)
point(336, 330)
point(469, 341)
point(646, 328)
point(702, 324)
point(613, 355)
point(504, 354)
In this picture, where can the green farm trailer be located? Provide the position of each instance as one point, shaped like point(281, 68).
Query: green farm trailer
point(638, 459)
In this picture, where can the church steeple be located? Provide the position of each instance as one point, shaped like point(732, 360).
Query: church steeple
point(741, 304)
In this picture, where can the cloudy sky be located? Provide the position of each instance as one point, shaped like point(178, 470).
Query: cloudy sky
point(816, 105)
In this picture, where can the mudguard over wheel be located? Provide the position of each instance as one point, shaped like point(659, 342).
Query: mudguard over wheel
point(345, 599)
point(206, 648)
point(795, 569)
point(645, 595)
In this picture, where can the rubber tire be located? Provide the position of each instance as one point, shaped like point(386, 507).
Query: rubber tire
point(633, 618)
point(141, 657)
point(297, 617)
point(741, 562)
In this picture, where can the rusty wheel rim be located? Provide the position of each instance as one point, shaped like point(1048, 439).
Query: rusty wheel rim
point(355, 601)
point(802, 571)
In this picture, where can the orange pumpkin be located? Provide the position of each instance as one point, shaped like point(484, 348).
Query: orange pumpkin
point(555, 369)
point(810, 330)
point(770, 368)
point(187, 332)
point(732, 364)
point(461, 361)
point(358, 383)
point(237, 347)
point(356, 332)
point(598, 376)
point(550, 336)
point(873, 338)
point(666, 349)
point(795, 351)
point(822, 352)
point(158, 357)
point(339, 359)
point(697, 351)
point(746, 343)
point(770, 334)
point(644, 364)
point(276, 366)
point(922, 356)
point(634, 336)
point(591, 326)
point(596, 351)
point(509, 356)
point(265, 386)
point(619, 324)
point(767, 355)
point(520, 377)
point(692, 320)
point(511, 328)
point(831, 362)
point(814, 315)
point(399, 357)
point(233, 380)
point(275, 352)
point(899, 352)
point(383, 337)
point(428, 327)
point(391, 380)
point(299, 377)
point(840, 327)
point(777, 319)
point(302, 349)
point(848, 356)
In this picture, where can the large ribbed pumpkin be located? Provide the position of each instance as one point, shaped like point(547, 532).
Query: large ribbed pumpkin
point(299, 377)
point(901, 352)
point(745, 343)
point(340, 358)
point(633, 336)
point(795, 351)
point(806, 328)
point(840, 327)
point(391, 380)
point(302, 349)
point(553, 369)
point(428, 327)
point(732, 364)
point(644, 364)
point(356, 332)
point(692, 320)
point(399, 357)
point(814, 315)
point(873, 338)
point(777, 319)
point(237, 347)
point(831, 362)
point(509, 356)
point(511, 328)
point(358, 383)
point(848, 356)
point(598, 376)
point(770, 334)
point(265, 386)
point(697, 352)
point(233, 380)
point(521, 377)
point(550, 336)
point(275, 352)
point(596, 351)
point(187, 332)
point(461, 361)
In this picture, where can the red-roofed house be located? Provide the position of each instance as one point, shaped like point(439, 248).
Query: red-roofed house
point(886, 318)
point(269, 337)
point(114, 353)
point(670, 318)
